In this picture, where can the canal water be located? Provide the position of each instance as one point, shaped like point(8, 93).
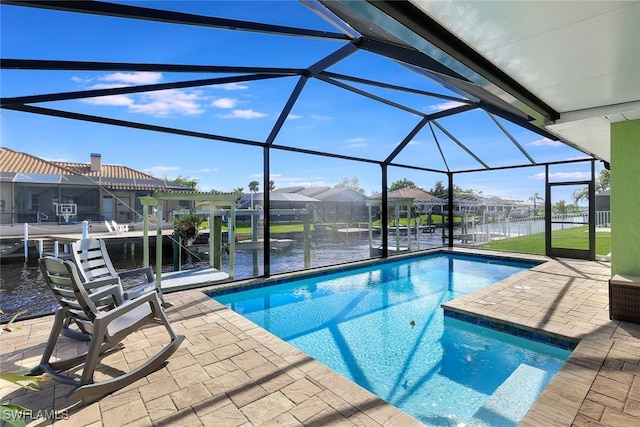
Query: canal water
point(23, 288)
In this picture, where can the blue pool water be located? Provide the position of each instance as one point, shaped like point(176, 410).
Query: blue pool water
point(383, 328)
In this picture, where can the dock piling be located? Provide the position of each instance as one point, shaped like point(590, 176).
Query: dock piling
point(26, 242)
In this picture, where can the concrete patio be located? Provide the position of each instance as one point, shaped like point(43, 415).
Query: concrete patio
point(229, 372)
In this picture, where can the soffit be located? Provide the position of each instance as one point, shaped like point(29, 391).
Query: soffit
point(581, 58)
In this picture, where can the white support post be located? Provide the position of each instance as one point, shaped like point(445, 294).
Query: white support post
point(85, 230)
point(145, 234)
point(418, 232)
point(26, 241)
point(41, 248)
point(55, 249)
point(409, 227)
point(370, 228)
point(232, 241)
point(212, 253)
point(159, 245)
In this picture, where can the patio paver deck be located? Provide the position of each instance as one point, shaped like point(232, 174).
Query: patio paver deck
point(229, 372)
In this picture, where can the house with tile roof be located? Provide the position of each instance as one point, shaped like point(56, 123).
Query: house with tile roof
point(35, 190)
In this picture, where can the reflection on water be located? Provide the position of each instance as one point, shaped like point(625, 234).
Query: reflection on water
point(23, 288)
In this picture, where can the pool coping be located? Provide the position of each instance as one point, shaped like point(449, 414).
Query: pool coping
point(554, 337)
point(254, 283)
point(589, 351)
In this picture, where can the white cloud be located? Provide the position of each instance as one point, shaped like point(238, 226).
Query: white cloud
point(113, 100)
point(357, 145)
point(166, 102)
point(320, 117)
point(161, 171)
point(231, 86)
point(564, 176)
point(294, 116)
point(444, 106)
point(160, 103)
point(545, 142)
point(224, 103)
point(243, 114)
point(207, 170)
point(83, 80)
point(355, 142)
point(138, 78)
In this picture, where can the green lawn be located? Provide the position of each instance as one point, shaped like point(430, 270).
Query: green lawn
point(575, 238)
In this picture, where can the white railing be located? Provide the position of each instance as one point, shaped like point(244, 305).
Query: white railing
point(603, 219)
point(509, 228)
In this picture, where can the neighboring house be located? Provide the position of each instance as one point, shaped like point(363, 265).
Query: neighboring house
point(338, 204)
point(335, 204)
point(329, 204)
point(603, 201)
point(36, 190)
point(463, 203)
point(423, 201)
point(284, 206)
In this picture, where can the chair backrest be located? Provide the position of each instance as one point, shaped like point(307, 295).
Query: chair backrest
point(66, 285)
point(119, 228)
point(92, 259)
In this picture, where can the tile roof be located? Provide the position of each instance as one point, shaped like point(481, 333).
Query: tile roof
point(16, 161)
point(109, 176)
point(106, 171)
point(407, 193)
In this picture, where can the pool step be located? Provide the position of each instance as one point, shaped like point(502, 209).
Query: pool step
point(510, 402)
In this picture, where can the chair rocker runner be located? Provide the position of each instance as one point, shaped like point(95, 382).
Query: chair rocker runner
point(106, 326)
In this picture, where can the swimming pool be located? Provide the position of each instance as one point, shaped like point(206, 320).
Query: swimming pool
point(383, 328)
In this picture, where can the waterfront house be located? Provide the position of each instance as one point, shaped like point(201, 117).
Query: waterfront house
point(35, 190)
point(335, 204)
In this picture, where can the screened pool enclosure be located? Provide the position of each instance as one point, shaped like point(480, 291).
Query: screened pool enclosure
point(298, 96)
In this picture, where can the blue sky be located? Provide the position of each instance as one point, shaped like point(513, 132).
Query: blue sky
point(324, 118)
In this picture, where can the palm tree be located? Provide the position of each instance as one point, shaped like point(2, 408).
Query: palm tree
point(536, 196)
point(254, 186)
point(580, 194)
point(604, 180)
point(561, 207)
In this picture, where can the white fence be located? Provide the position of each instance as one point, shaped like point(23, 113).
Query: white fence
point(509, 228)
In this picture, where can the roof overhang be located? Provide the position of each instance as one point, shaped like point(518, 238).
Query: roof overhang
point(574, 67)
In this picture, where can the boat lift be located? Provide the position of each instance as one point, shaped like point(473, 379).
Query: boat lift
point(212, 200)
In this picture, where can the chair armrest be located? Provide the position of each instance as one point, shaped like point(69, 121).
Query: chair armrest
point(148, 271)
point(136, 291)
point(98, 283)
point(108, 295)
point(150, 298)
